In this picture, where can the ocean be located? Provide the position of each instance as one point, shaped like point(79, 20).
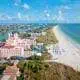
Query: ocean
point(72, 30)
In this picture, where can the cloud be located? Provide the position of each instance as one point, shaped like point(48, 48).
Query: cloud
point(19, 15)
point(60, 16)
point(26, 18)
point(16, 4)
point(26, 6)
point(47, 14)
point(22, 17)
point(23, 6)
point(45, 11)
point(5, 17)
point(66, 7)
point(54, 17)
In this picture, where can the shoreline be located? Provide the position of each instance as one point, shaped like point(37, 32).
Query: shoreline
point(68, 38)
point(71, 54)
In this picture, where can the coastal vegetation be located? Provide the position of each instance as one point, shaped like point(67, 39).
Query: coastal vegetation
point(37, 69)
point(3, 67)
point(24, 35)
point(48, 38)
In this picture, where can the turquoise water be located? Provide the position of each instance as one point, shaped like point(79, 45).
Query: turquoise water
point(72, 30)
point(3, 37)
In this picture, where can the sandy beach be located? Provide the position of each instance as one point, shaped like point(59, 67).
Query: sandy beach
point(67, 51)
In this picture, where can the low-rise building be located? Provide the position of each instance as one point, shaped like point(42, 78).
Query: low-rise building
point(10, 73)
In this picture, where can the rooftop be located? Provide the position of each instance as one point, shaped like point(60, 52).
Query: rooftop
point(8, 46)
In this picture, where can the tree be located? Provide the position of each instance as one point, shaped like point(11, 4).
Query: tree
point(21, 77)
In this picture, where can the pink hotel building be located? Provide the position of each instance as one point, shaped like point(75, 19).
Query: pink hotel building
point(15, 46)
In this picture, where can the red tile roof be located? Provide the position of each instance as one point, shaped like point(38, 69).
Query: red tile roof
point(7, 46)
point(11, 70)
point(2, 44)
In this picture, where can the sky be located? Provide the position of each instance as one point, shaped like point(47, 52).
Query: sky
point(56, 11)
